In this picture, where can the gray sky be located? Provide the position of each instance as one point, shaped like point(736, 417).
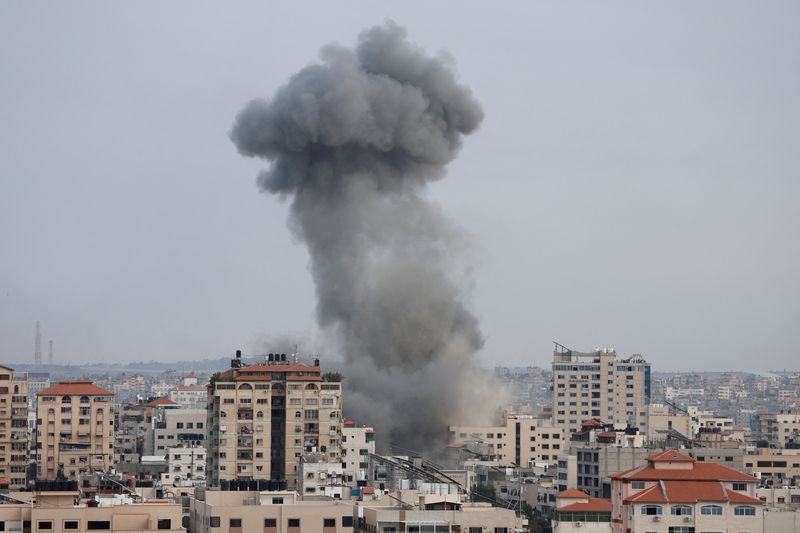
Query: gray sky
point(634, 184)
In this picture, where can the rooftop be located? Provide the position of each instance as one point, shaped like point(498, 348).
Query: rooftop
point(79, 387)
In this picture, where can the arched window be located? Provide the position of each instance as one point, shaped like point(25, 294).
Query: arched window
point(334, 414)
point(85, 399)
point(311, 386)
point(651, 510)
point(16, 389)
point(99, 412)
point(51, 411)
point(222, 414)
point(66, 399)
point(260, 414)
point(245, 386)
point(744, 510)
point(298, 414)
point(715, 510)
point(681, 510)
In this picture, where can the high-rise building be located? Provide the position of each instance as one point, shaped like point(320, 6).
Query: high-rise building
point(263, 417)
point(13, 427)
point(74, 429)
point(598, 385)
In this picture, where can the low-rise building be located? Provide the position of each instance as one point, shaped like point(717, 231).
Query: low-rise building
point(577, 512)
point(358, 443)
point(186, 466)
point(673, 492)
point(56, 511)
point(217, 511)
point(318, 478)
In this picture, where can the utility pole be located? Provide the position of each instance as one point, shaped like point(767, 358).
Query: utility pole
point(37, 353)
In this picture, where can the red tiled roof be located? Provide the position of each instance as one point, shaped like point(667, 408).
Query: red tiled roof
point(254, 378)
point(690, 492)
point(592, 422)
point(572, 493)
point(4, 481)
point(670, 455)
point(163, 400)
point(607, 434)
point(368, 490)
point(79, 387)
point(701, 471)
point(597, 505)
point(303, 378)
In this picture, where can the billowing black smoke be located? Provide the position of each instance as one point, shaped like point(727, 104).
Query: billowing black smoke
point(354, 141)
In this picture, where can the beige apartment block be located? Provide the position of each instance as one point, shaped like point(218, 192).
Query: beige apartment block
point(662, 419)
point(13, 427)
point(358, 442)
point(58, 512)
point(521, 440)
point(216, 511)
point(779, 428)
point(434, 513)
point(74, 429)
point(778, 465)
point(599, 385)
point(263, 417)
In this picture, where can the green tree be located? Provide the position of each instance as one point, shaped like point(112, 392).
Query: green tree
point(483, 492)
point(334, 377)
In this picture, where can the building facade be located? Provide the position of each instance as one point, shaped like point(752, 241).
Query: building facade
point(523, 440)
point(599, 385)
point(74, 429)
point(673, 493)
point(358, 442)
point(263, 417)
point(13, 427)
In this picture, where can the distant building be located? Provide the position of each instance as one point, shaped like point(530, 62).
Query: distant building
point(358, 442)
point(522, 440)
point(190, 396)
point(778, 428)
point(263, 417)
point(672, 492)
point(13, 428)
point(186, 466)
point(598, 385)
point(74, 429)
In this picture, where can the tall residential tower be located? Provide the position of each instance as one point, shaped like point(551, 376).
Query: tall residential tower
point(263, 417)
point(598, 385)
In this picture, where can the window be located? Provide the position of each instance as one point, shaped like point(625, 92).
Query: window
point(45, 525)
point(637, 485)
point(294, 522)
point(715, 510)
point(164, 523)
point(98, 524)
point(214, 521)
point(277, 501)
point(744, 510)
point(740, 486)
point(328, 522)
point(235, 522)
point(681, 529)
point(651, 510)
point(347, 521)
point(71, 524)
point(681, 510)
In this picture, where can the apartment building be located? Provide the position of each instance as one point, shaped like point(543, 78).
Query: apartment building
point(321, 479)
point(778, 428)
point(176, 427)
point(189, 396)
point(217, 511)
point(358, 442)
point(56, 511)
point(672, 493)
point(263, 417)
point(578, 512)
point(664, 420)
point(599, 385)
point(13, 427)
point(186, 466)
point(74, 429)
point(522, 440)
point(774, 467)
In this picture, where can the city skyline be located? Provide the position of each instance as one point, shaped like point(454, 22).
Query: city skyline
point(625, 190)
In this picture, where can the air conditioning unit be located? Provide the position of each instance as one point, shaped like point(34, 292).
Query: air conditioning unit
point(687, 518)
point(578, 524)
point(656, 519)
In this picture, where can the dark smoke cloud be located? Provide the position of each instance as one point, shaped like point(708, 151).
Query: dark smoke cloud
point(353, 142)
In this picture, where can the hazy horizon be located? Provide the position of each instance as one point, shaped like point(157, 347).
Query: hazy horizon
point(634, 183)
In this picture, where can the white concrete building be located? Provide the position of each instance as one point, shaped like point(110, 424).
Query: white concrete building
point(357, 443)
point(186, 466)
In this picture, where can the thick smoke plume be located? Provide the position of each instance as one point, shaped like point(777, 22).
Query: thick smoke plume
point(353, 141)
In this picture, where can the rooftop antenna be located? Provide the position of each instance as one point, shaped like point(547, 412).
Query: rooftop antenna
point(50, 354)
point(37, 353)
